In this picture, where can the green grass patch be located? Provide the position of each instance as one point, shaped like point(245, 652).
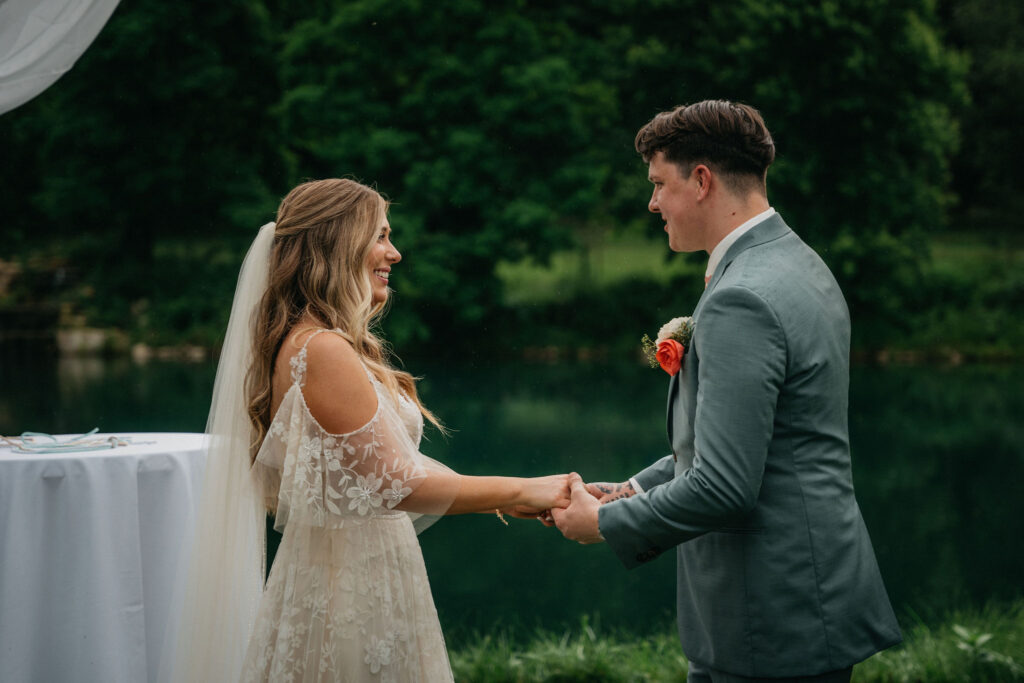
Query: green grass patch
point(611, 262)
point(972, 298)
point(979, 646)
point(976, 646)
point(584, 655)
point(967, 303)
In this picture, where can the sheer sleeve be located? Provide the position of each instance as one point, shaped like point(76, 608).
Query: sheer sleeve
point(318, 479)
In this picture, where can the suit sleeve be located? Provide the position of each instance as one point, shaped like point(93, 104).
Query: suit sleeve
point(658, 473)
point(742, 367)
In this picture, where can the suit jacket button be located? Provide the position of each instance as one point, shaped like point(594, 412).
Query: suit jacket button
point(647, 555)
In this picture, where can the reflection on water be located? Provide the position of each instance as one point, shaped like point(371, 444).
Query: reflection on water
point(938, 457)
point(73, 395)
point(938, 461)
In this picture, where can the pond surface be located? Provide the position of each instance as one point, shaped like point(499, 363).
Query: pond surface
point(938, 458)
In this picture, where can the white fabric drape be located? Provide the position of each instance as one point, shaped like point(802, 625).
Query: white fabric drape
point(40, 40)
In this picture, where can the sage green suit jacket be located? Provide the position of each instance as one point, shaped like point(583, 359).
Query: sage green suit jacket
point(776, 573)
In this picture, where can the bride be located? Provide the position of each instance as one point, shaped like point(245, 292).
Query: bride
point(310, 421)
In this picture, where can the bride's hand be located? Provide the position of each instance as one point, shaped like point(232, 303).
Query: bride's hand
point(544, 493)
point(523, 512)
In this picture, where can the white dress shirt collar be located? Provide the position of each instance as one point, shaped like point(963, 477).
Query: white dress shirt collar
point(719, 251)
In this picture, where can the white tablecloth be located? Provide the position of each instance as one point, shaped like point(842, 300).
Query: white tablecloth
point(89, 547)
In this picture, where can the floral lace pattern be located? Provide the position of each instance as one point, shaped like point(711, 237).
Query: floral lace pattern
point(348, 596)
point(330, 480)
point(297, 363)
point(370, 618)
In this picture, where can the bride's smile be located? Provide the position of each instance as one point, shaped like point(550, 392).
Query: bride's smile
point(382, 256)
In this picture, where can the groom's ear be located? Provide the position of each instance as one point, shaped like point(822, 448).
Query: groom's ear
point(703, 177)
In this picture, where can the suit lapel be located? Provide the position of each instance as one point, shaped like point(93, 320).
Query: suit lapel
point(673, 391)
point(770, 229)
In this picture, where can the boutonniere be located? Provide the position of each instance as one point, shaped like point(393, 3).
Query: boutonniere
point(668, 349)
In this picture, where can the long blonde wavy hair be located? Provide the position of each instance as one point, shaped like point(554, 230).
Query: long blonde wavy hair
point(325, 230)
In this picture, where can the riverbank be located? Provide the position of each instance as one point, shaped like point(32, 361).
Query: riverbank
point(978, 646)
point(964, 305)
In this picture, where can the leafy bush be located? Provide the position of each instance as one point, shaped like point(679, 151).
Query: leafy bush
point(502, 130)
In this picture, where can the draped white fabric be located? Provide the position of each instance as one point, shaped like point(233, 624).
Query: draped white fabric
point(40, 40)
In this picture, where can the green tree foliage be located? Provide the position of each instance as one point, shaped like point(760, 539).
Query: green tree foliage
point(136, 170)
point(495, 127)
point(859, 97)
point(501, 130)
point(504, 129)
point(988, 175)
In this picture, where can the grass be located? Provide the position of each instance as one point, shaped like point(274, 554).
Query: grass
point(620, 258)
point(979, 646)
point(956, 250)
point(975, 293)
point(612, 261)
point(967, 303)
point(580, 656)
point(986, 645)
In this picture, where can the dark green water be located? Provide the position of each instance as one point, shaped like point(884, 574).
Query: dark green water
point(938, 466)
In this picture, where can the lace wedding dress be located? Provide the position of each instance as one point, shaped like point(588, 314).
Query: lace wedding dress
point(347, 598)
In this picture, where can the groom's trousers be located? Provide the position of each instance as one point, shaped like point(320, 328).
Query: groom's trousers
point(702, 674)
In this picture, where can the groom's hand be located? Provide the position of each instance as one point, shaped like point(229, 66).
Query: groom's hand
point(578, 522)
point(606, 493)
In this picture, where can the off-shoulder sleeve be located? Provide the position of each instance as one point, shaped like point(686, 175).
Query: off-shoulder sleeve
point(332, 480)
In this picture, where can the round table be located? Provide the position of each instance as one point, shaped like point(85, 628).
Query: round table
point(90, 544)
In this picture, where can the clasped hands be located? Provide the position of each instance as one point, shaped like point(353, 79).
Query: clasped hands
point(578, 520)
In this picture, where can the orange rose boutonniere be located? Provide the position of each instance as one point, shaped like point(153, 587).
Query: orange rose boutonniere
point(670, 355)
point(670, 346)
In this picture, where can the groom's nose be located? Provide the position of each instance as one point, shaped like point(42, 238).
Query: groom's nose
point(652, 205)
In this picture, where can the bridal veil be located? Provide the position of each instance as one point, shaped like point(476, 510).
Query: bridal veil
point(220, 590)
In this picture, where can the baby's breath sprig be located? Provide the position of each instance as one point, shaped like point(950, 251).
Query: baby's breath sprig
point(650, 350)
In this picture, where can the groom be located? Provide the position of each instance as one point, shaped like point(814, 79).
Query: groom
point(777, 579)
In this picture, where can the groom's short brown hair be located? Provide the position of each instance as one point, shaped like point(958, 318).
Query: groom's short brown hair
point(728, 137)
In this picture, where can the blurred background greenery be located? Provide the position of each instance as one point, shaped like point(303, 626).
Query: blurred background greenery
point(502, 131)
